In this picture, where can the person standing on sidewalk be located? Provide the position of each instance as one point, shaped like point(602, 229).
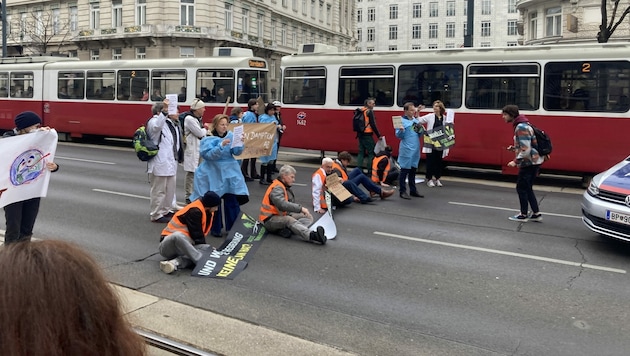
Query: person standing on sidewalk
point(527, 160)
point(184, 237)
point(366, 139)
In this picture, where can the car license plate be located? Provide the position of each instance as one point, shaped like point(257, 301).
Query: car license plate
point(617, 217)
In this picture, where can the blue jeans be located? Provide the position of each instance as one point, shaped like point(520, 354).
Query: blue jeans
point(356, 191)
point(357, 176)
point(525, 188)
point(231, 209)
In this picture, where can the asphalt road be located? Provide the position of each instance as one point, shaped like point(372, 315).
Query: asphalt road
point(444, 275)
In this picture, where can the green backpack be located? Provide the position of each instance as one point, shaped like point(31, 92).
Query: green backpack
point(145, 148)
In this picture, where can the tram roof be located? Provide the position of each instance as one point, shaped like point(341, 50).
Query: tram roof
point(165, 63)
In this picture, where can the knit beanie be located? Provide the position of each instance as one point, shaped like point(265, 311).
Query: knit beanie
point(210, 199)
point(26, 119)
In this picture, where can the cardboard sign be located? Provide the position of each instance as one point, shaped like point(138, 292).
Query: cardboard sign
point(258, 139)
point(333, 183)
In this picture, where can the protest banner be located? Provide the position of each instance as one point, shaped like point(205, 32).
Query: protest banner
point(326, 221)
point(258, 139)
point(333, 183)
point(440, 137)
point(24, 157)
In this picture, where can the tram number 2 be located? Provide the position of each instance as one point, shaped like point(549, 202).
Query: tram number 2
point(586, 67)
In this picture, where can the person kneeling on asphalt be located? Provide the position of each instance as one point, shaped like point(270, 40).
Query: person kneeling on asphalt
point(184, 237)
point(281, 215)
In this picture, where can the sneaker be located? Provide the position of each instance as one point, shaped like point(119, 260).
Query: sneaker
point(438, 183)
point(386, 193)
point(405, 196)
point(162, 220)
point(535, 217)
point(430, 183)
point(169, 267)
point(519, 217)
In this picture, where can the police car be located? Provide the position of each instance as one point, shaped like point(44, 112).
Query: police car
point(606, 202)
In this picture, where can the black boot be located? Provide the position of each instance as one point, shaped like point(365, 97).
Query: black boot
point(318, 236)
point(244, 165)
point(274, 168)
point(269, 174)
point(263, 170)
point(252, 169)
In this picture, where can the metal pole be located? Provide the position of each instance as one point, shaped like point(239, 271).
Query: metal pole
point(470, 20)
point(171, 346)
point(4, 28)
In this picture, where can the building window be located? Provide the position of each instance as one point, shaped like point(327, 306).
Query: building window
point(285, 3)
point(313, 8)
point(117, 13)
point(512, 28)
point(465, 28)
point(294, 41)
point(274, 25)
point(370, 49)
point(259, 25)
point(39, 23)
point(370, 34)
point(116, 53)
point(533, 26)
point(433, 46)
point(552, 21)
point(416, 32)
point(450, 45)
point(393, 12)
point(73, 53)
point(74, 16)
point(416, 47)
point(371, 14)
point(450, 8)
point(393, 48)
point(512, 44)
point(359, 34)
point(321, 11)
point(187, 12)
point(450, 29)
point(94, 54)
point(95, 16)
point(433, 30)
point(272, 68)
point(486, 7)
point(433, 9)
point(141, 52)
point(187, 52)
point(416, 11)
point(328, 13)
point(56, 25)
point(141, 12)
point(486, 44)
point(245, 21)
point(393, 32)
point(303, 7)
point(512, 7)
point(295, 5)
point(228, 16)
point(283, 34)
point(360, 15)
point(485, 29)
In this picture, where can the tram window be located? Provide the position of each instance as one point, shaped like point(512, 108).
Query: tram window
point(215, 86)
point(168, 82)
point(359, 83)
point(133, 85)
point(22, 84)
point(4, 85)
point(494, 85)
point(599, 86)
point(304, 86)
point(251, 85)
point(426, 83)
point(100, 85)
point(70, 85)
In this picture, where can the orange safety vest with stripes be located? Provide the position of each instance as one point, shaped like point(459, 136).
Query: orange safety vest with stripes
point(375, 163)
point(366, 119)
point(267, 209)
point(339, 167)
point(322, 196)
point(175, 225)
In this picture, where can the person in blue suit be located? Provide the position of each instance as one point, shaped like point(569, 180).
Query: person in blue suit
point(265, 161)
point(409, 133)
point(220, 172)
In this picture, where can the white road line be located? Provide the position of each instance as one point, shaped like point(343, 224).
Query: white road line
point(122, 194)
point(84, 160)
point(506, 253)
point(510, 209)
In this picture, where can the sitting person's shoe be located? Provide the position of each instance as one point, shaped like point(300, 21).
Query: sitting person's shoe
point(219, 235)
point(373, 194)
point(416, 194)
point(286, 233)
point(535, 217)
point(319, 235)
point(366, 201)
point(519, 217)
point(169, 267)
point(405, 196)
point(386, 193)
point(356, 199)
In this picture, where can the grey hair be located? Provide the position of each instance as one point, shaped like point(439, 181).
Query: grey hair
point(327, 160)
point(157, 108)
point(285, 170)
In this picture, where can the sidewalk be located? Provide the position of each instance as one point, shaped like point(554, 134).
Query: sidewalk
point(223, 335)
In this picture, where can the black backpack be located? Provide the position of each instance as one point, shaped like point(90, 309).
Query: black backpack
point(358, 121)
point(543, 140)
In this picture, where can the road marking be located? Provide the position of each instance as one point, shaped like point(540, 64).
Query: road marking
point(506, 253)
point(511, 209)
point(122, 194)
point(84, 160)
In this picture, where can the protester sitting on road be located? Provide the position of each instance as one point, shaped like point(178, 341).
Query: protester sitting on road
point(280, 214)
point(184, 237)
point(357, 177)
point(383, 172)
point(56, 301)
point(318, 181)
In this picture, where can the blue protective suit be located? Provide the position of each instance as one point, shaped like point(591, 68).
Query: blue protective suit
point(266, 119)
point(409, 148)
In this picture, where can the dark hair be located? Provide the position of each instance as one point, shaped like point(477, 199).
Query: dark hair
point(56, 301)
point(251, 102)
point(269, 106)
point(237, 110)
point(344, 156)
point(511, 110)
point(408, 104)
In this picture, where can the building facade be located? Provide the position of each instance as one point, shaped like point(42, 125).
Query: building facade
point(128, 29)
point(426, 24)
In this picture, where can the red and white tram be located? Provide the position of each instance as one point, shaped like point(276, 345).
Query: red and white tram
point(112, 98)
point(577, 94)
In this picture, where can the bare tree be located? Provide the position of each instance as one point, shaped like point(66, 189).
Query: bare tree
point(607, 28)
point(39, 31)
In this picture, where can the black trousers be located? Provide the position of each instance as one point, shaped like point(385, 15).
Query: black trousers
point(20, 218)
point(434, 165)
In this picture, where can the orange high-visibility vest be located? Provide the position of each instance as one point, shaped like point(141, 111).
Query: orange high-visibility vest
point(176, 225)
point(267, 209)
point(375, 163)
point(322, 196)
point(337, 166)
point(366, 118)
